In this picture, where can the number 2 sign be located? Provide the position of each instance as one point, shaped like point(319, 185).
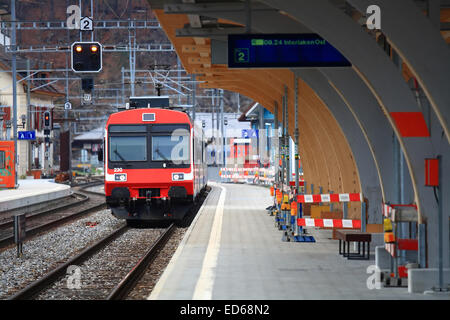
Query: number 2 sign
point(241, 55)
point(86, 24)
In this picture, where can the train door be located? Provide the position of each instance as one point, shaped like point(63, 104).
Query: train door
point(7, 168)
point(241, 152)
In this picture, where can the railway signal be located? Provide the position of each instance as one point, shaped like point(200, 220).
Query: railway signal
point(86, 57)
point(47, 120)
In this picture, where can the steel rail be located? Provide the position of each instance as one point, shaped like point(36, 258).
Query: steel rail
point(37, 214)
point(41, 284)
point(129, 281)
point(46, 226)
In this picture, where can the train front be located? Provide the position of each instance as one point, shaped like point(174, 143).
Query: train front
point(148, 164)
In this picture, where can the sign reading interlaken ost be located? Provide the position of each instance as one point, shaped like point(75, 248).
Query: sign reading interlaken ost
point(282, 51)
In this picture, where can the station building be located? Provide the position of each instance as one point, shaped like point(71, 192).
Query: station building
point(35, 156)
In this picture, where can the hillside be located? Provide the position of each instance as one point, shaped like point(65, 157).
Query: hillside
point(110, 77)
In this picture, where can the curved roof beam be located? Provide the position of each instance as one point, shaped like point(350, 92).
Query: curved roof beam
point(367, 167)
point(399, 20)
point(380, 75)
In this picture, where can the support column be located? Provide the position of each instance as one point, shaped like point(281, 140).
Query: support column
point(277, 156)
point(298, 229)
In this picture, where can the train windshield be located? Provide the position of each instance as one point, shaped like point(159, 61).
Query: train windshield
point(128, 148)
point(172, 147)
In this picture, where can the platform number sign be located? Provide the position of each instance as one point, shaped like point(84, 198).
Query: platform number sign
point(26, 135)
point(304, 50)
point(241, 55)
point(249, 133)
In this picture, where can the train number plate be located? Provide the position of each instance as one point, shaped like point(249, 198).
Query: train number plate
point(120, 177)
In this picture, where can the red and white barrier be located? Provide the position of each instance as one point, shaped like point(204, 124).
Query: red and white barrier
point(248, 175)
point(388, 208)
point(329, 223)
point(333, 197)
point(390, 247)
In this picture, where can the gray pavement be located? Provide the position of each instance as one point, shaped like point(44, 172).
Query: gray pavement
point(237, 253)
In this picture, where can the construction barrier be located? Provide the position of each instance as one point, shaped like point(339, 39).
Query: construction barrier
point(332, 197)
point(261, 176)
point(329, 223)
point(395, 214)
point(288, 211)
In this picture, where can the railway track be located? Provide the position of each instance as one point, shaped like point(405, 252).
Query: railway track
point(113, 267)
point(43, 220)
point(108, 269)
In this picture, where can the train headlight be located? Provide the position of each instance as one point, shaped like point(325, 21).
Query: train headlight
point(120, 177)
point(177, 176)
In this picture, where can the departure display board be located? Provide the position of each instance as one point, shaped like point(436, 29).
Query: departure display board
point(282, 51)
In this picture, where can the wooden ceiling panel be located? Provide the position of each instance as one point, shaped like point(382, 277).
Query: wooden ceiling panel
point(326, 155)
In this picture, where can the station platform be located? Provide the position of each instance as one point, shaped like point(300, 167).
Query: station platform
point(233, 251)
point(31, 192)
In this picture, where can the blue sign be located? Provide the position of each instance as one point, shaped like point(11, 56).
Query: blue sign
point(26, 135)
point(282, 51)
point(249, 133)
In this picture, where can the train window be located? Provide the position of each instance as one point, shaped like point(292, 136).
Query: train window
point(122, 128)
point(128, 148)
point(168, 127)
point(148, 117)
point(174, 148)
point(2, 160)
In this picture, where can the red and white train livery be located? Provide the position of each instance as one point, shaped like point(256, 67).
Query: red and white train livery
point(154, 164)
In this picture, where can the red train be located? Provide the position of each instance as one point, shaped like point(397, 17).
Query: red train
point(154, 164)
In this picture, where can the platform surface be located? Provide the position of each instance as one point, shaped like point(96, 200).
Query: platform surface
point(234, 251)
point(32, 192)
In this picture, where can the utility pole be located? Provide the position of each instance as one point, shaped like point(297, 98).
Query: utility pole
point(179, 79)
point(288, 139)
point(194, 89)
point(132, 56)
point(221, 127)
point(277, 148)
point(30, 157)
point(238, 102)
point(261, 135)
point(66, 125)
point(212, 111)
point(14, 80)
point(123, 87)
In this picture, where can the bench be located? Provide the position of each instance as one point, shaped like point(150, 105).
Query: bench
point(348, 236)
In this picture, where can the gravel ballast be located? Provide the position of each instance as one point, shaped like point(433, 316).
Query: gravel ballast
point(105, 269)
point(45, 252)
